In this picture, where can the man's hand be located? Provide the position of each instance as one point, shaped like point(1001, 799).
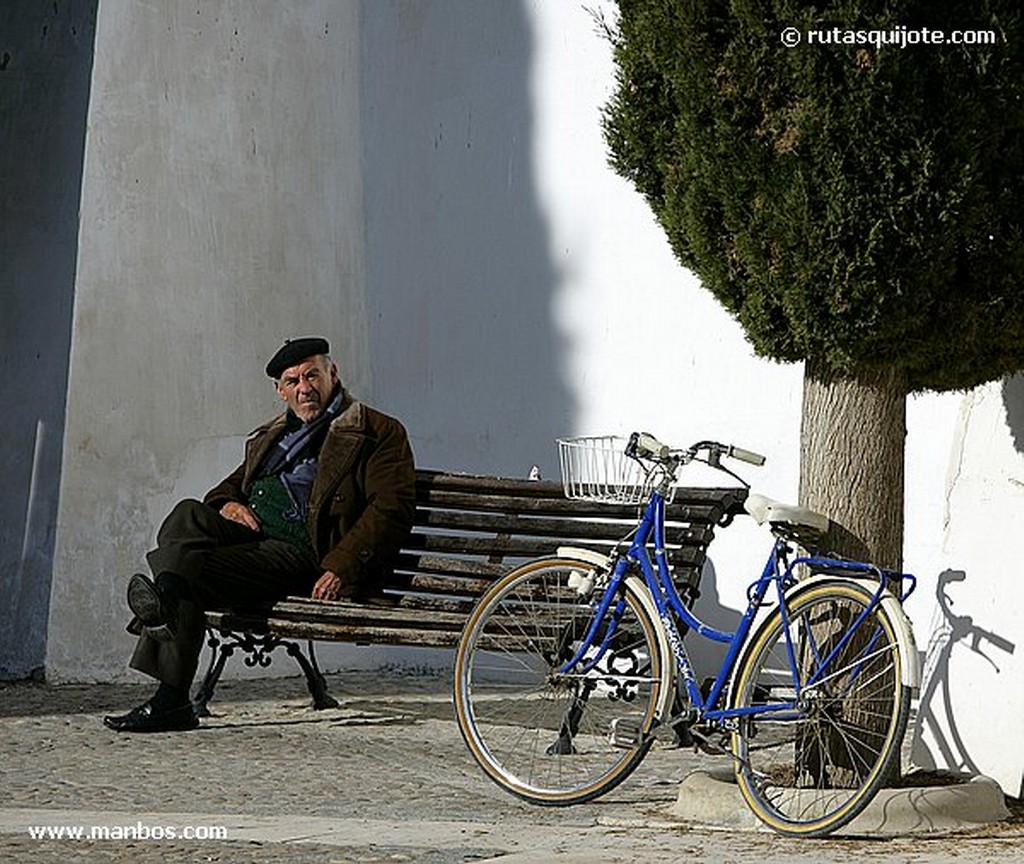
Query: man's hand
point(241, 514)
point(330, 587)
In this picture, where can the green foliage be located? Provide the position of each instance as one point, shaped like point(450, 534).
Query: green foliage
point(859, 204)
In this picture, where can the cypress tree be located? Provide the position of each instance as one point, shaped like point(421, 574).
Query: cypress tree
point(854, 200)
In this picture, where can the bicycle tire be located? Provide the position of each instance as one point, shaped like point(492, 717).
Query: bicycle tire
point(542, 736)
point(810, 772)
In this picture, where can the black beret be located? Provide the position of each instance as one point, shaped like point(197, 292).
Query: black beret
point(293, 352)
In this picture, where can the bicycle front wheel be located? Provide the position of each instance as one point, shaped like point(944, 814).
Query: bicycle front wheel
point(551, 737)
point(829, 718)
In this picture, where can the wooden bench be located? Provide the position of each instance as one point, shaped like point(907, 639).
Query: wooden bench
point(468, 530)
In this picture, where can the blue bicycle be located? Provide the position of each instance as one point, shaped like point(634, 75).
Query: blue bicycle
point(570, 666)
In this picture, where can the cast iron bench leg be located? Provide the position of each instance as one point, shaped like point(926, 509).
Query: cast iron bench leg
point(314, 677)
point(258, 649)
point(219, 653)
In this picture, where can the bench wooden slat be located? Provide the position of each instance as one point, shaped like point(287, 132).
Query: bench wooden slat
point(684, 557)
point(472, 521)
point(697, 510)
point(358, 633)
point(303, 609)
point(419, 562)
point(429, 483)
point(431, 600)
point(440, 584)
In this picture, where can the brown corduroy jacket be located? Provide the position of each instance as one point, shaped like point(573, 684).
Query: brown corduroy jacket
point(363, 498)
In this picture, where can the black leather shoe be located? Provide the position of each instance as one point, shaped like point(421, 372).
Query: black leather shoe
point(147, 719)
point(152, 608)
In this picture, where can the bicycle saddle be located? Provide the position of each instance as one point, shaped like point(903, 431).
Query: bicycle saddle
point(775, 513)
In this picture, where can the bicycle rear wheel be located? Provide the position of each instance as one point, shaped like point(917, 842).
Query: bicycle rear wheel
point(814, 756)
point(553, 738)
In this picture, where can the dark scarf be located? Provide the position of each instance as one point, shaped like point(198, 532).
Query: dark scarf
point(302, 441)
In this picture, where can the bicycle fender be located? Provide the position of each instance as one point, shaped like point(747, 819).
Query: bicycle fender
point(910, 667)
point(591, 556)
point(911, 676)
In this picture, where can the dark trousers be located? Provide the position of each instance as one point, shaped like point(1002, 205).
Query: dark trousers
point(219, 563)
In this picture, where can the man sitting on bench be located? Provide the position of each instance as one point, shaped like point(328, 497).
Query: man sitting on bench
point(319, 507)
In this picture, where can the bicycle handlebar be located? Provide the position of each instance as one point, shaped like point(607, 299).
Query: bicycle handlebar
point(643, 445)
point(745, 455)
point(648, 447)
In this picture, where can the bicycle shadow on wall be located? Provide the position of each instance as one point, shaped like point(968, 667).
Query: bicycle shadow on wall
point(706, 655)
point(938, 742)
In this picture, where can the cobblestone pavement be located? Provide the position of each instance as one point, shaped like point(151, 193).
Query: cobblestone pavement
point(384, 778)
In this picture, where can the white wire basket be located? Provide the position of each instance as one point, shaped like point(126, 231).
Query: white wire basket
point(596, 468)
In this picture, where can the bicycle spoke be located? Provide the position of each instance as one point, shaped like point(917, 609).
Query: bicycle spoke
point(813, 772)
point(548, 735)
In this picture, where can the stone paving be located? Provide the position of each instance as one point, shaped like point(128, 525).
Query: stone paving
point(384, 778)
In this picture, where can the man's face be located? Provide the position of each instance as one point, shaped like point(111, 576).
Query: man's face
point(307, 387)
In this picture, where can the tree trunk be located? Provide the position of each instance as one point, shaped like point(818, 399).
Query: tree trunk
point(851, 470)
point(851, 460)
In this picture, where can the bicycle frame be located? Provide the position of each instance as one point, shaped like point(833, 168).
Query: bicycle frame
point(778, 570)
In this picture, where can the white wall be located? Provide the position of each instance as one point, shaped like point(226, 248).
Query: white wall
point(645, 347)
point(459, 266)
point(221, 211)
point(520, 290)
point(973, 694)
point(648, 348)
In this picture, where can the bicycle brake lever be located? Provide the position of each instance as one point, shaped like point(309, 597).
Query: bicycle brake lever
point(649, 446)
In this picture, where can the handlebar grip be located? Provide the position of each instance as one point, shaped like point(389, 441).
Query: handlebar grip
point(745, 455)
point(648, 445)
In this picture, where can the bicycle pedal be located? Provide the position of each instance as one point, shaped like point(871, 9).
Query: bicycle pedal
point(682, 736)
point(702, 741)
point(625, 733)
point(680, 725)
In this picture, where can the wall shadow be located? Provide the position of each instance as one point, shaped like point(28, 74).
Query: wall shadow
point(1013, 402)
point(706, 655)
point(459, 276)
point(936, 721)
point(46, 54)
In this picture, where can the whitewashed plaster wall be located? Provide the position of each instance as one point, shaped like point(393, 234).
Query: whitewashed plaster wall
point(459, 263)
point(973, 695)
point(520, 290)
point(647, 348)
point(221, 211)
